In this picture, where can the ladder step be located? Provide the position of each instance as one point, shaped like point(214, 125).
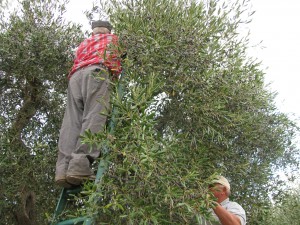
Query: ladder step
point(74, 191)
point(77, 221)
point(63, 199)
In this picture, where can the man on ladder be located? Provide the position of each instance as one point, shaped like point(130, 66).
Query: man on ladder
point(88, 95)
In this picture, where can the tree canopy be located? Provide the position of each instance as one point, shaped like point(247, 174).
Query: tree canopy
point(191, 85)
point(286, 209)
point(35, 56)
point(195, 105)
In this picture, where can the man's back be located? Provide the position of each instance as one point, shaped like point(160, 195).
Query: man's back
point(94, 50)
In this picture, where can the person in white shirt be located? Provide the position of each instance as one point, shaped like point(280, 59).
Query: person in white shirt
point(225, 211)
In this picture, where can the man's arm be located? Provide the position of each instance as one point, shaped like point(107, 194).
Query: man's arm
point(226, 217)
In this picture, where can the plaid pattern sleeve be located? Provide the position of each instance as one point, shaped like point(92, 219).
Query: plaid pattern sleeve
point(98, 49)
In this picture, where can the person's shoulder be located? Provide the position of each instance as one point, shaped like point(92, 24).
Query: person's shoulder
point(234, 207)
point(234, 204)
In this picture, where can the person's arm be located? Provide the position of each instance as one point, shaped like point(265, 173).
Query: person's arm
point(226, 217)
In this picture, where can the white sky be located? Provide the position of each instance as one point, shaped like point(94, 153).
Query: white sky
point(276, 24)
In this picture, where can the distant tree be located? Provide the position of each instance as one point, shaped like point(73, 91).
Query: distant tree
point(35, 56)
point(195, 104)
point(285, 211)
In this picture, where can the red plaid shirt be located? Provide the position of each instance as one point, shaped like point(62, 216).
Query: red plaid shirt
point(98, 49)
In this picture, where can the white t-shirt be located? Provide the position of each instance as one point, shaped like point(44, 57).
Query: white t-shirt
point(232, 207)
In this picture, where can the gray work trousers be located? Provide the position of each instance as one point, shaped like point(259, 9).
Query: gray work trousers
point(88, 97)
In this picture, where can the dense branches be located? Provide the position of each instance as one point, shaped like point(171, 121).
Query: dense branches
point(35, 56)
point(194, 105)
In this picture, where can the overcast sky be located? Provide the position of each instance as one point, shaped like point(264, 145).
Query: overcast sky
point(276, 24)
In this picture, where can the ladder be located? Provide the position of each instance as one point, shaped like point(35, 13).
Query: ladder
point(66, 193)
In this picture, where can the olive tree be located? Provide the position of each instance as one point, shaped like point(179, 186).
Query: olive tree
point(195, 104)
point(36, 53)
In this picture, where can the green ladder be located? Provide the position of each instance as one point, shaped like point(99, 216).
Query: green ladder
point(66, 193)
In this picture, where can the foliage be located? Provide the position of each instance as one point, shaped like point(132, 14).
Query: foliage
point(35, 56)
point(146, 177)
point(286, 209)
point(195, 105)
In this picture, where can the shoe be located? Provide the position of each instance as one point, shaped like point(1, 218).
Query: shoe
point(62, 182)
point(79, 179)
